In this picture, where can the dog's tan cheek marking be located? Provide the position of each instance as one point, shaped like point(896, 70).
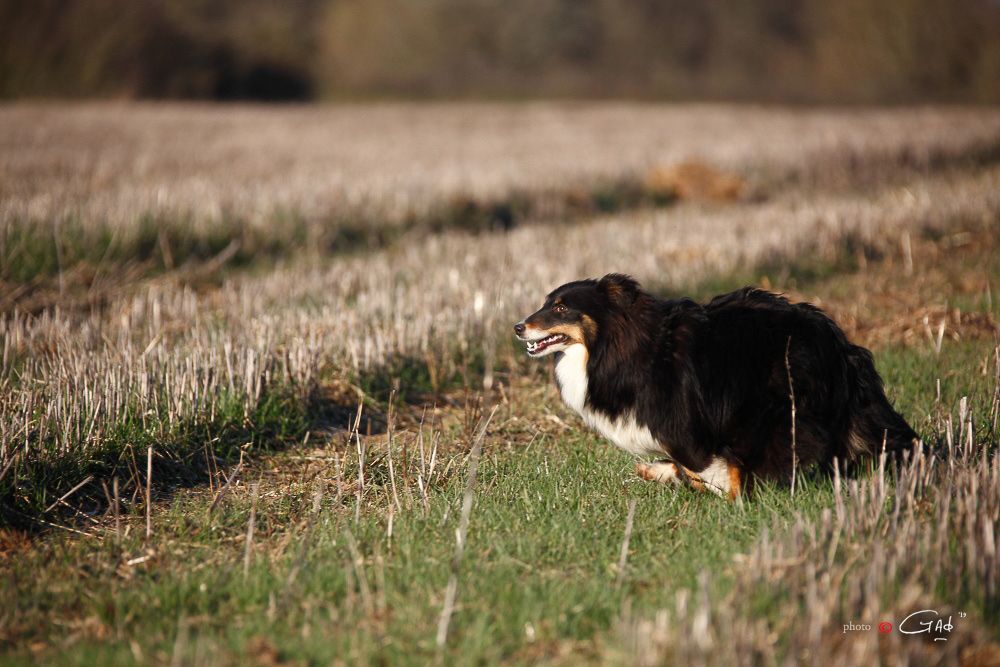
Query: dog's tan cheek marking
point(571, 331)
point(589, 328)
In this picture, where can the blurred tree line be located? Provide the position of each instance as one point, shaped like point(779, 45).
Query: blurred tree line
point(764, 50)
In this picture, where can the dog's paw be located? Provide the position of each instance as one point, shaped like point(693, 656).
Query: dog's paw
point(664, 472)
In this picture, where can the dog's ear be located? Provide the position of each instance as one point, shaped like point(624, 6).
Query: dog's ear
point(620, 289)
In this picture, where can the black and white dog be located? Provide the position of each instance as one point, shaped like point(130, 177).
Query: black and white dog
point(709, 389)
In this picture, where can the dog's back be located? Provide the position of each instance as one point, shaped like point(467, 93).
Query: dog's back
point(757, 354)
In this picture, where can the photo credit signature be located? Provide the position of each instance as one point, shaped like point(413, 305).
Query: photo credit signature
point(923, 622)
point(928, 621)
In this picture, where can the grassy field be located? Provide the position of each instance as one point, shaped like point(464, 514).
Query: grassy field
point(352, 462)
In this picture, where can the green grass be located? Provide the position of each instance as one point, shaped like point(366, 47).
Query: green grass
point(911, 378)
point(544, 542)
point(538, 575)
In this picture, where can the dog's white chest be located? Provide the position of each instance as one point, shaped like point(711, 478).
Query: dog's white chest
point(624, 432)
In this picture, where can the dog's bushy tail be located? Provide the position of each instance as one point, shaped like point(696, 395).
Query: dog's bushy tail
point(875, 425)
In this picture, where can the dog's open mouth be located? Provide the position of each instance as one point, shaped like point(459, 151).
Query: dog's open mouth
point(536, 347)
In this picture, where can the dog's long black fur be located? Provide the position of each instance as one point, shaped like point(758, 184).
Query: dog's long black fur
point(712, 380)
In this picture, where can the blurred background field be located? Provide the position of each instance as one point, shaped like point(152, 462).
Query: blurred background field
point(768, 50)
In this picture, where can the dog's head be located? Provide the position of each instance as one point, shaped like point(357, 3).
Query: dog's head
point(575, 313)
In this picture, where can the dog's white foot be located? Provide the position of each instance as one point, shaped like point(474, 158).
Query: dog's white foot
point(722, 478)
point(664, 472)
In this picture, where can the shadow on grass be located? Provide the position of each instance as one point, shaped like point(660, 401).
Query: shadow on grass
point(194, 451)
point(189, 453)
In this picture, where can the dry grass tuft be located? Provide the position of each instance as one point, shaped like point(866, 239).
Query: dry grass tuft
point(697, 181)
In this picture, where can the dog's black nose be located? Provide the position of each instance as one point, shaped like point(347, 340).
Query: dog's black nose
point(519, 328)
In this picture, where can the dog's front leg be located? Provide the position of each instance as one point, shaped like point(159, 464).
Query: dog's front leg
point(720, 477)
point(664, 472)
point(668, 472)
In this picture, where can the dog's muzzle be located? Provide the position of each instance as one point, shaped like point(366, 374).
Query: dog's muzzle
point(537, 343)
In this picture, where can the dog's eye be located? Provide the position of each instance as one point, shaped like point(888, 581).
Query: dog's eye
point(561, 309)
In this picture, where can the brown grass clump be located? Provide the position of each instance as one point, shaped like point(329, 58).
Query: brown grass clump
point(695, 180)
point(13, 542)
